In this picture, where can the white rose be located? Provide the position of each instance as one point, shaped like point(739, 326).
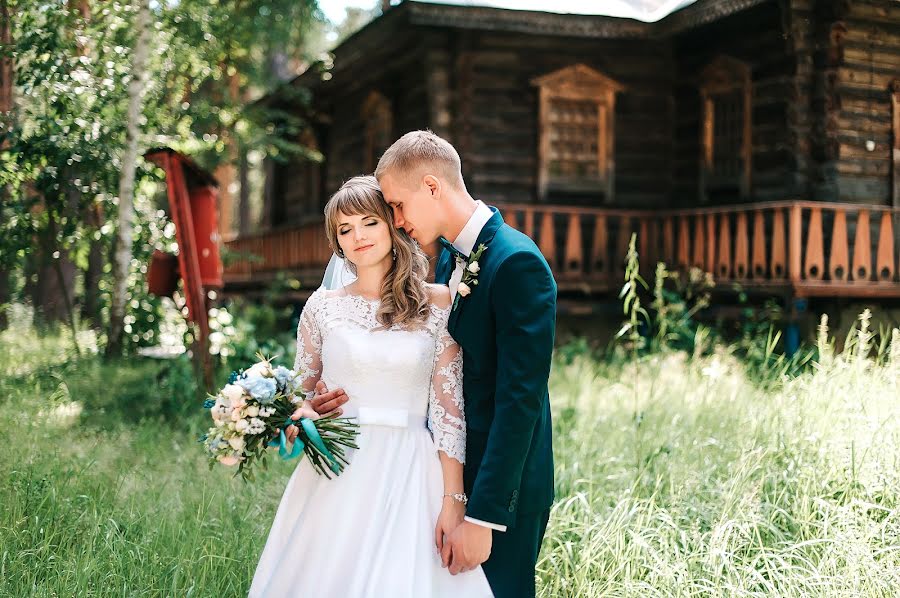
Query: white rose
point(261, 369)
point(463, 289)
point(252, 411)
point(241, 425)
point(236, 443)
point(235, 414)
point(474, 267)
point(232, 392)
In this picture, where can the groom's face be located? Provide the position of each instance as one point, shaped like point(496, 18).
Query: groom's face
point(413, 201)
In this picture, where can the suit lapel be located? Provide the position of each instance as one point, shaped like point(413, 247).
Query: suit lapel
point(484, 237)
point(442, 271)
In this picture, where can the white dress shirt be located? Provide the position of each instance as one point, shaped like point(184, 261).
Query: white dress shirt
point(465, 243)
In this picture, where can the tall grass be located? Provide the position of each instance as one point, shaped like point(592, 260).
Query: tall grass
point(745, 483)
point(746, 487)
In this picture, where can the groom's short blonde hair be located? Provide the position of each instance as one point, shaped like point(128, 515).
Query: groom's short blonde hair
point(419, 153)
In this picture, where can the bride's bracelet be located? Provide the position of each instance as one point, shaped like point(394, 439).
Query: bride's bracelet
point(459, 497)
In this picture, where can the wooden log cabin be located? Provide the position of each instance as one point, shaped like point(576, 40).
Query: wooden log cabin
point(756, 139)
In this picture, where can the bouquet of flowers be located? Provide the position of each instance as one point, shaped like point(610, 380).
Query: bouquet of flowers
point(256, 406)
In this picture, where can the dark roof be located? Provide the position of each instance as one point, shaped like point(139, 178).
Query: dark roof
point(430, 14)
point(522, 21)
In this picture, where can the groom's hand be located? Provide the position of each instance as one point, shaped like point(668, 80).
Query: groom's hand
point(469, 545)
point(328, 404)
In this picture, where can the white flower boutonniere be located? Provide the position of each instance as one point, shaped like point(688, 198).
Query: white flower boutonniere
point(470, 275)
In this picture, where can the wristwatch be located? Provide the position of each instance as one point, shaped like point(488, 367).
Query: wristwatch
point(459, 497)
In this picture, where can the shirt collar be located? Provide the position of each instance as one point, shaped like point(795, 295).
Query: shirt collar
point(465, 242)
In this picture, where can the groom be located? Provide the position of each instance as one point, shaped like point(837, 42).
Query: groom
point(503, 317)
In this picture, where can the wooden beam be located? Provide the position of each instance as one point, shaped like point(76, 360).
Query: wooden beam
point(862, 248)
point(839, 260)
point(885, 256)
point(895, 149)
point(795, 241)
point(814, 264)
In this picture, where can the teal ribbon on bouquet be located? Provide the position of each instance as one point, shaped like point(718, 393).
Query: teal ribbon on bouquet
point(314, 437)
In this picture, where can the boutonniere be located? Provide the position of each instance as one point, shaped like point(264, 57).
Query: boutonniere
point(470, 275)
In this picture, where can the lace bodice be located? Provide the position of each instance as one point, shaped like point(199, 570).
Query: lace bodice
point(340, 341)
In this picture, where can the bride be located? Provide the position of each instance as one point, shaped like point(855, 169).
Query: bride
point(376, 529)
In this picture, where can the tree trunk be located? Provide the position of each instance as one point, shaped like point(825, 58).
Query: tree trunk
point(55, 278)
point(7, 74)
point(244, 202)
point(63, 267)
point(5, 296)
point(125, 231)
point(7, 66)
point(90, 309)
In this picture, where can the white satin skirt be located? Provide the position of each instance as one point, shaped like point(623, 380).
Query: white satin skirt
point(368, 533)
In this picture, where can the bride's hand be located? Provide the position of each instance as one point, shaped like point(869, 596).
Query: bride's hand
point(452, 514)
point(304, 410)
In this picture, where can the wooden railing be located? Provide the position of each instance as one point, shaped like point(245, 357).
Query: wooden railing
point(815, 248)
point(809, 248)
point(300, 250)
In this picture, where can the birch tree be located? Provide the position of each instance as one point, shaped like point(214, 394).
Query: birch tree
point(125, 228)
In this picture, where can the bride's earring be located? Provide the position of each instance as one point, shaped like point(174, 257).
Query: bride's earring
point(395, 253)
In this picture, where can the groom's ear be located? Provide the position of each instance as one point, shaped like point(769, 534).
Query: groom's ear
point(434, 185)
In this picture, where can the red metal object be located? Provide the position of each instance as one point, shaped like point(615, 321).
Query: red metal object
point(206, 235)
point(184, 180)
point(162, 275)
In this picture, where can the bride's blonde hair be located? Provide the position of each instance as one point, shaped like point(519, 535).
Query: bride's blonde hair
point(404, 294)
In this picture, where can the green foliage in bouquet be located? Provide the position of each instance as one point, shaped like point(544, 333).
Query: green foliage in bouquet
point(256, 406)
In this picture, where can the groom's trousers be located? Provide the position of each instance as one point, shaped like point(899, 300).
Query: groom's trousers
point(514, 553)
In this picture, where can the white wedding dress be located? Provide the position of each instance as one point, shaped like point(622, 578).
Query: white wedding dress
point(370, 531)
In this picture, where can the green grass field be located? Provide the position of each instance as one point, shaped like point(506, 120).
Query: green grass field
point(676, 476)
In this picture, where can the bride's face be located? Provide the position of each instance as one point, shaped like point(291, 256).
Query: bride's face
point(365, 239)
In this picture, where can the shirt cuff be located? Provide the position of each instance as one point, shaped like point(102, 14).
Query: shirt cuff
point(496, 526)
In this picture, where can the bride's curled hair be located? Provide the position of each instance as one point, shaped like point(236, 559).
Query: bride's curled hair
point(404, 294)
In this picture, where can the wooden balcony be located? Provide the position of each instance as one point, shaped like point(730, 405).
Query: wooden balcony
point(300, 252)
point(801, 248)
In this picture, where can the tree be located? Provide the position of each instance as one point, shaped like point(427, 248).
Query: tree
point(65, 146)
point(124, 230)
point(7, 69)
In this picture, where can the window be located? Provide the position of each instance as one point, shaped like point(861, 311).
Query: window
point(378, 121)
point(576, 149)
point(725, 131)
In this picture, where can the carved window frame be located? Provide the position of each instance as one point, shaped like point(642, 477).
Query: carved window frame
point(378, 123)
point(725, 75)
point(580, 83)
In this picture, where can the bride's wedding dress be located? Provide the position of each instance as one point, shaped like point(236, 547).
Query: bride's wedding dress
point(370, 531)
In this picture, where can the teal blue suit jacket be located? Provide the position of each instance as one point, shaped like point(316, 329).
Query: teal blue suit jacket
point(506, 328)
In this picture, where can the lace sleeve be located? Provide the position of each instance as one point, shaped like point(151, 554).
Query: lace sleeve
point(308, 362)
point(446, 415)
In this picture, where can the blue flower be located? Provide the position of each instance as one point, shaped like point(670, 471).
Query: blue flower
point(285, 378)
point(261, 389)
